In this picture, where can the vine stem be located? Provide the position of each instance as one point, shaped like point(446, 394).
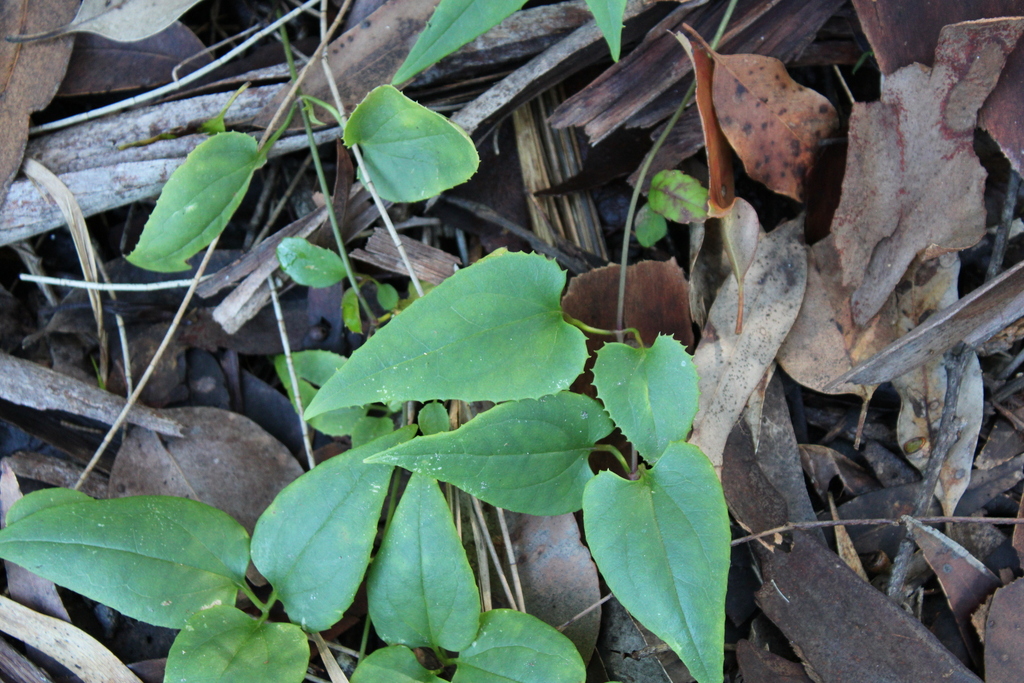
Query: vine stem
point(608, 448)
point(293, 378)
point(596, 330)
point(646, 166)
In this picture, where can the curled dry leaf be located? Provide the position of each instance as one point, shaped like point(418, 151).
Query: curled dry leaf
point(773, 123)
point(730, 365)
point(913, 183)
point(740, 233)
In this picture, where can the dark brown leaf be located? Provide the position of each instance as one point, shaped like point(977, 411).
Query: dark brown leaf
point(1004, 635)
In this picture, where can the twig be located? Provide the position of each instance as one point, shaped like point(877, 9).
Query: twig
point(585, 612)
point(122, 332)
point(482, 565)
point(513, 566)
point(995, 262)
point(948, 432)
point(292, 377)
point(106, 286)
point(479, 510)
point(164, 343)
point(170, 87)
point(827, 523)
point(330, 663)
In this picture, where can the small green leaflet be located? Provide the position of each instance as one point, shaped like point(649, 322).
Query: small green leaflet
point(514, 647)
point(651, 394)
point(678, 197)
point(608, 15)
point(368, 428)
point(462, 339)
point(454, 23)
point(395, 664)
point(225, 645)
point(410, 152)
point(387, 296)
point(420, 588)
point(313, 542)
point(197, 202)
point(308, 264)
point(433, 419)
point(527, 456)
point(155, 558)
point(662, 545)
point(313, 368)
point(350, 311)
point(650, 226)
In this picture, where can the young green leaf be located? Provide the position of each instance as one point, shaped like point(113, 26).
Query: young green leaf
point(313, 368)
point(313, 542)
point(197, 202)
point(368, 428)
point(433, 419)
point(309, 264)
point(514, 647)
point(387, 296)
point(454, 23)
point(154, 558)
point(420, 588)
point(650, 226)
point(527, 456)
point(350, 311)
point(678, 197)
point(490, 332)
point(411, 153)
point(662, 545)
point(395, 664)
point(225, 645)
point(608, 15)
point(651, 393)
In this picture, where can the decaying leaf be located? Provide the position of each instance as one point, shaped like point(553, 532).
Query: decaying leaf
point(740, 233)
point(913, 183)
point(121, 20)
point(730, 365)
point(773, 123)
point(1004, 638)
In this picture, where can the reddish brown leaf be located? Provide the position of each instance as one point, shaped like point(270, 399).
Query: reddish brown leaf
point(764, 667)
point(29, 73)
point(913, 183)
point(1004, 635)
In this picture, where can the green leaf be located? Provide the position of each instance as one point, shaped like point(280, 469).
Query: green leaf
point(608, 15)
point(309, 264)
point(454, 23)
point(369, 428)
point(350, 311)
point(527, 456)
point(678, 197)
point(395, 664)
point(197, 202)
point(225, 645)
point(420, 588)
point(513, 647)
point(490, 332)
point(42, 500)
point(387, 296)
point(313, 542)
point(662, 545)
point(650, 226)
point(433, 419)
point(313, 368)
point(410, 152)
point(651, 393)
point(155, 558)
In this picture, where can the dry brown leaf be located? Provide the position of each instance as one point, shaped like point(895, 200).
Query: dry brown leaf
point(1004, 637)
point(844, 546)
point(225, 460)
point(928, 287)
point(29, 73)
point(913, 183)
point(772, 122)
point(731, 365)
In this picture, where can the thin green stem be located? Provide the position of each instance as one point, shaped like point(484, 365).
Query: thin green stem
point(608, 448)
point(264, 607)
point(646, 166)
point(595, 330)
point(365, 639)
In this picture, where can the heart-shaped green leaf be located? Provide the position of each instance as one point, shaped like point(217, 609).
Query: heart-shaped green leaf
point(454, 23)
point(155, 558)
point(608, 15)
point(410, 152)
point(309, 264)
point(420, 588)
point(490, 332)
point(527, 456)
point(678, 197)
point(662, 545)
point(225, 645)
point(650, 226)
point(651, 393)
point(313, 542)
point(197, 202)
point(433, 419)
point(513, 647)
point(395, 664)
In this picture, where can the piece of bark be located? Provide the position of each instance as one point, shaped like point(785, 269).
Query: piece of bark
point(16, 668)
point(29, 384)
point(429, 263)
point(55, 472)
point(847, 630)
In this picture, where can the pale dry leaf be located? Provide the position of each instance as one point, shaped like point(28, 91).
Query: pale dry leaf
point(740, 232)
point(913, 183)
point(730, 365)
point(121, 20)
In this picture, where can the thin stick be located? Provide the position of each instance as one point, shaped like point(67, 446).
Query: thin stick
point(210, 50)
point(122, 333)
point(827, 523)
point(483, 568)
point(330, 663)
point(478, 508)
point(105, 286)
point(170, 87)
point(292, 377)
point(842, 82)
point(164, 343)
point(513, 566)
point(995, 262)
point(585, 612)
